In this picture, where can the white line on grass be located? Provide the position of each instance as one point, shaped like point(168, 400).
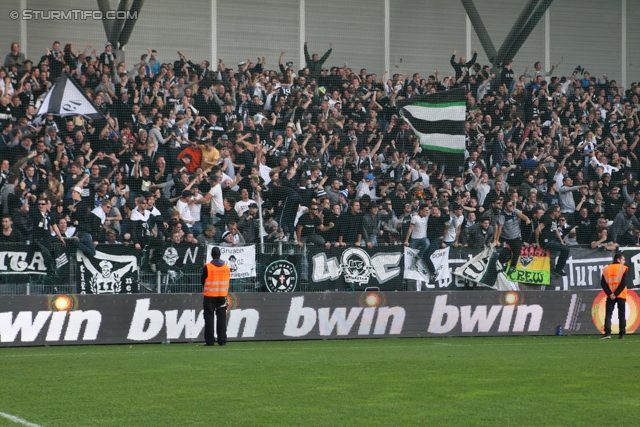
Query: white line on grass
point(18, 420)
point(436, 344)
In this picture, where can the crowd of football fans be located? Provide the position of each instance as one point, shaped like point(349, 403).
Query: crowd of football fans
point(212, 153)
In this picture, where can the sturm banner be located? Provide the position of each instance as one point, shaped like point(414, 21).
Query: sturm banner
point(132, 319)
point(357, 268)
point(240, 259)
point(113, 270)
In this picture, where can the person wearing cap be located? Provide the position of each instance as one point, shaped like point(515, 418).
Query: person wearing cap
point(614, 283)
point(367, 187)
point(289, 68)
point(216, 276)
point(227, 240)
point(371, 226)
point(249, 224)
point(399, 199)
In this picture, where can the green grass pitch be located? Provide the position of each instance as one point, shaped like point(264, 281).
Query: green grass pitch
point(514, 381)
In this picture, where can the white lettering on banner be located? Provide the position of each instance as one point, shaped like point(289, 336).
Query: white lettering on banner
point(479, 317)
point(55, 326)
point(188, 254)
point(324, 269)
point(23, 323)
point(583, 272)
point(384, 266)
point(327, 323)
point(250, 317)
point(141, 315)
point(93, 319)
point(175, 324)
point(451, 314)
point(241, 260)
point(301, 320)
point(635, 260)
point(17, 263)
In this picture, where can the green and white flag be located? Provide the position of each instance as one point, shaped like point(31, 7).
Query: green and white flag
point(438, 121)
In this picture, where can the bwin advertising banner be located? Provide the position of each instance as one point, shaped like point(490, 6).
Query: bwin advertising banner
point(137, 318)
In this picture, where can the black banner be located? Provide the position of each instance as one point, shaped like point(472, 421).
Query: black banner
point(357, 268)
point(279, 273)
point(22, 259)
point(113, 270)
point(180, 257)
point(128, 319)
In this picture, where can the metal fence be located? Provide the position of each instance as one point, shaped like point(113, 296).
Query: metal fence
point(65, 281)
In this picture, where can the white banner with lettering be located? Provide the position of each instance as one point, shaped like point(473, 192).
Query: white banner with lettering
point(240, 259)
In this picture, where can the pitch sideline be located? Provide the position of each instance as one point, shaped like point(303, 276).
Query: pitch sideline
point(18, 420)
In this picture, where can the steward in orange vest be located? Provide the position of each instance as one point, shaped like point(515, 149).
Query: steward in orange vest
point(215, 282)
point(614, 284)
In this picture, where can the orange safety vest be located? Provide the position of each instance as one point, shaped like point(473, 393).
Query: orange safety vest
point(613, 275)
point(217, 282)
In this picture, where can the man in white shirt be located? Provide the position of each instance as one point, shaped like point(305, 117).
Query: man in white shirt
point(417, 234)
point(183, 205)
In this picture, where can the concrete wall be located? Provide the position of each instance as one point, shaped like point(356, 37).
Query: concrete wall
point(423, 35)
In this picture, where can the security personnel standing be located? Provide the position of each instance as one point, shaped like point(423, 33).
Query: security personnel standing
point(614, 284)
point(215, 279)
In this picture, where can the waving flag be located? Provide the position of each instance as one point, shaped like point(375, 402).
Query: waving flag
point(66, 98)
point(438, 121)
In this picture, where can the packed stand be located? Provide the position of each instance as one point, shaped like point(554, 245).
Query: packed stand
point(191, 153)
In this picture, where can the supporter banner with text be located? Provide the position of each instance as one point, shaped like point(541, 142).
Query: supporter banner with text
point(279, 273)
point(20, 258)
point(357, 268)
point(182, 257)
point(152, 318)
point(113, 270)
point(533, 268)
point(240, 259)
point(416, 269)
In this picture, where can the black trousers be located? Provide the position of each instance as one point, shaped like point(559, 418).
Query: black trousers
point(516, 246)
point(622, 320)
point(215, 306)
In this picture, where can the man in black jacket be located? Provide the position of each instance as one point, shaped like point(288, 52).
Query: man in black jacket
point(463, 66)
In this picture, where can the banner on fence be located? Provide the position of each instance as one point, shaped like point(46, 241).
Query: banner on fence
point(113, 270)
point(21, 259)
point(181, 256)
point(240, 259)
point(533, 267)
point(357, 268)
point(486, 268)
point(129, 319)
point(416, 269)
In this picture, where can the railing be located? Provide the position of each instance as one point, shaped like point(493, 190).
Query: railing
point(69, 275)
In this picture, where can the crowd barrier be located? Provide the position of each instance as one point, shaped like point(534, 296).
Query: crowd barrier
point(279, 267)
point(155, 318)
